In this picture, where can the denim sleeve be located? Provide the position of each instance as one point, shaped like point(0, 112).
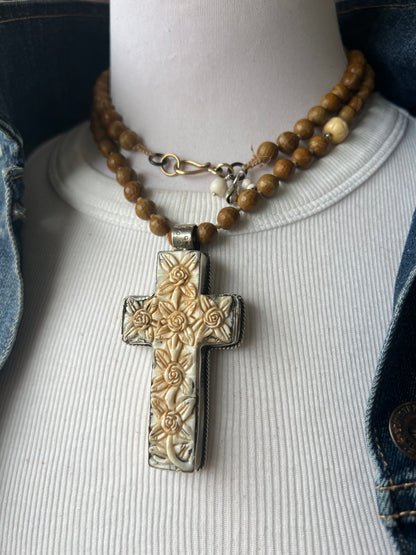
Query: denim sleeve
point(11, 214)
point(394, 384)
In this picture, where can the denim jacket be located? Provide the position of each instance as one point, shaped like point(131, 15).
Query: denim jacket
point(51, 52)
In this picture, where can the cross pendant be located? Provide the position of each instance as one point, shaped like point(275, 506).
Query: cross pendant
point(181, 323)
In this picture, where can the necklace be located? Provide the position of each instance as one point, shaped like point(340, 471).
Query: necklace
point(181, 321)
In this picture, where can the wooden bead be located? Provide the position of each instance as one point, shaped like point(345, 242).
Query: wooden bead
point(267, 184)
point(115, 160)
point(304, 128)
point(318, 115)
point(124, 174)
point(356, 56)
point(247, 200)
point(106, 147)
point(99, 134)
point(302, 158)
point(159, 225)
point(145, 208)
point(228, 217)
point(356, 103)
point(115, 129)
point(132, 190)
point(364, 93)
point(347, 114)
point(351, 81)
point(318, 146)
point(341, 92)
point(102, 104)
point(267, 151)
point(110, 115)
point(284, 169)
point(287, 142)
point(206, 233)
point(331, 102)
point(128, 139)
point(337, 128)
point(358, 69)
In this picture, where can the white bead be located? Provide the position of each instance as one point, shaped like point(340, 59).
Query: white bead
point(245, 184)
point(337, 128)
point(218, 187)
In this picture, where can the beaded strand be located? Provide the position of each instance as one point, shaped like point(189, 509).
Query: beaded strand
point(334, 115)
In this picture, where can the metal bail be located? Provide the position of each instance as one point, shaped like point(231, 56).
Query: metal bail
point(184, 237)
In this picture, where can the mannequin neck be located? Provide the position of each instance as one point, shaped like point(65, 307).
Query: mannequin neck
point(206, 80)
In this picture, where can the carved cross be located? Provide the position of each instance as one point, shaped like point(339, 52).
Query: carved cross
point(181, 324)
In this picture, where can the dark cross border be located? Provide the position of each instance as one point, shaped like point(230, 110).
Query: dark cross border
point(181, 323)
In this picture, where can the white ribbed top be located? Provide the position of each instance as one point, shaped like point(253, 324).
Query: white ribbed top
point(287, 469)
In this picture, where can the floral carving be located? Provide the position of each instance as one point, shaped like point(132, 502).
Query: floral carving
point(139, 320)
point(177, 321)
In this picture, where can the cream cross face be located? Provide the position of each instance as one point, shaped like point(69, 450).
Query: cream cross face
point(181, 324)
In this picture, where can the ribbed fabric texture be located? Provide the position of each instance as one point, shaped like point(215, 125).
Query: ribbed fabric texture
point(287, 469)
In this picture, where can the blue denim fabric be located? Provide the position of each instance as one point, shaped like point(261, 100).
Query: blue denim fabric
point(51, 53)
point(386, 31)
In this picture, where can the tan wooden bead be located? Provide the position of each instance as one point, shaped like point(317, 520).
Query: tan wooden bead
point(302, 158)
point(115, 129)
point(102, 104)
point(99, 134)
point(342, 92)
point(109, 116)
point(351, 81)
point(357, 68)
point(287, 142)
point(106, 147)
point(318, 146)
point(318, 115)
point(304, 128)
point(159, 225)
point(369, 83)
point(128, 139)
point(115, 160)
point(331, 102)
point(337, 128)
point(247, 200)
point(124, 174)
point(132, 190)
point(364, 93)
point(347, 114)
point(145, 208)
point(267, 151)
point(284, 169)
point(356, 103)
point(206, 233)
point(228, 217)
point(267, 184)
point(356, 56)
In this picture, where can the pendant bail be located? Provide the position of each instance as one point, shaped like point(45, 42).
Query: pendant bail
point(184, 237)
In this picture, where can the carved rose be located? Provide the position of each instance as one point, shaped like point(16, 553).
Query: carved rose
point(179, 275)
point(139, 322)
point(141, 319)
point(170, 373)
point(214, 317)
point(171, 422)
point(174, 374)
point(177, 321)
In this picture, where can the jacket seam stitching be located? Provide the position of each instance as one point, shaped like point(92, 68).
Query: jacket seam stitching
point(53, 16)
point(397, 514)
point(397, 486)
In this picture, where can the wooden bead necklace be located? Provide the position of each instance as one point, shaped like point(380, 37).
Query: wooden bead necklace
point(181, 321)
point(334, 114)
